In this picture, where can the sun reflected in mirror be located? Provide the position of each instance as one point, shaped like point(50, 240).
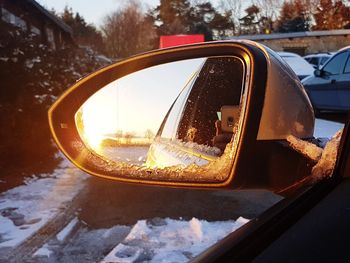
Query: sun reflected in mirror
point(129, 111)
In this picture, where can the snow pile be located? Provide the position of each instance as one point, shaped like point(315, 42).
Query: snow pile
point(168, 240)
point(325, 166)
point(308, 149)
point(44, 251)
point(325, 156)
point(62, 235)
point(27, 208)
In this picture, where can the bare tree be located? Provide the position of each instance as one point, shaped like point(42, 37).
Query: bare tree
point(268, 8)
point(119, 136)
point(149, 135)
point(127, 31)
point(128, 136)
point(235, 8)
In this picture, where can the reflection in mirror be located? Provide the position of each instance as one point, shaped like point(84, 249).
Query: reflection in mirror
point(182, 116)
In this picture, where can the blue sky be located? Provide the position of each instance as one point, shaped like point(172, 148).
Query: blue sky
point(93, 11)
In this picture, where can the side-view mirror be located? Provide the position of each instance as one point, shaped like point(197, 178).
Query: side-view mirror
point(318, 73)
point(155, 119)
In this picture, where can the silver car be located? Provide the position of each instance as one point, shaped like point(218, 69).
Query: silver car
point(329, 87)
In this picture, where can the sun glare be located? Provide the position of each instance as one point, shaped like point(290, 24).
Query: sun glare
point(133, 104)
point(95, 124)
point(93, 137)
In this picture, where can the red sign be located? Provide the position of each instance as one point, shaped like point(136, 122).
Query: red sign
point(178, 40)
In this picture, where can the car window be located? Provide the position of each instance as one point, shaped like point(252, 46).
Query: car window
point(347, 66)
point(313, 61)
point(194, 115)
point(169, 129)
point(323, 60)
point(336, 64)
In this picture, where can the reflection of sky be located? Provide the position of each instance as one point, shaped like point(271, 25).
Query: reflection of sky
point(139, 101)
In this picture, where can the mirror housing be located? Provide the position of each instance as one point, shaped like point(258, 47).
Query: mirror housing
point(268, 83)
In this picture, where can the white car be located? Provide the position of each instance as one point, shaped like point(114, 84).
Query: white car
point(317, 60)
point(299, 65)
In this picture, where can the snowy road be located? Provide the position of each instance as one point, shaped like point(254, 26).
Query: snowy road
point(68, 216)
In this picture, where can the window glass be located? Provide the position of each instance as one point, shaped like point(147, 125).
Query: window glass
point(50, 38)
point(10, 18)
point(35, 30)
point(313, 61)
point(7, 16)
point(20, 23)
point(347, 66)
point(323, 60)
point(209, 106)
point(336, 64)
point(169, 130)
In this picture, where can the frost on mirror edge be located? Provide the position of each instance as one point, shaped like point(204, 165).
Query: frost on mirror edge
point(177, 121)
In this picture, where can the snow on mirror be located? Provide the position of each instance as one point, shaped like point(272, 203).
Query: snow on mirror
point(176, 121)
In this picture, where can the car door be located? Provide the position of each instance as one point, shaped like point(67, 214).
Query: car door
point(343, 87)
point(323, 89)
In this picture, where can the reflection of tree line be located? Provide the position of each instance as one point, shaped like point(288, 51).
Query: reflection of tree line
point(121, 138)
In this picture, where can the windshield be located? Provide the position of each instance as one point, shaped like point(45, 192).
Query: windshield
point(179, 123)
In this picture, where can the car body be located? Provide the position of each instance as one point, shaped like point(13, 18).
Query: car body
point(272, 148)
point(299, 65)
point(328, 88)
point(317, 60)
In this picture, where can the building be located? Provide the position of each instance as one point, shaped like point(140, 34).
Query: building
point(30, 16)
point(304, 43)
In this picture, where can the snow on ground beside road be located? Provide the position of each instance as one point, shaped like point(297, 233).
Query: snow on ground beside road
point(62, 235)
point(168, 240)
point(44, 251)
point(326, 129)
point(27, 208)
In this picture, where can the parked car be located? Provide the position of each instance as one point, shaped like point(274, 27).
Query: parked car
point(299, 65)
point(328, 88)
point(241, 121)
point(317, 60)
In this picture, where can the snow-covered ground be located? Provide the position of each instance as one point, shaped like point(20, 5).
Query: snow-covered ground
point(26, 209)
point(326, 129)
point(168, 240)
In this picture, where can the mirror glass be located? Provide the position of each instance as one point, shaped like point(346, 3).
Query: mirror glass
point(183, 116)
